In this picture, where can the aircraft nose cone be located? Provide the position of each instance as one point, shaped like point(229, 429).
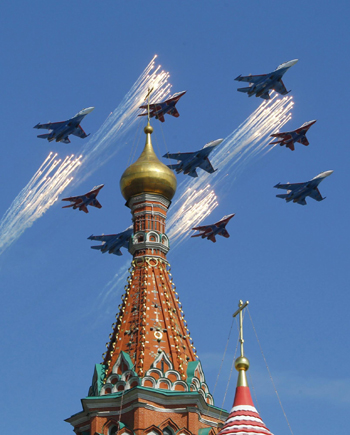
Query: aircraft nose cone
point(325, 174)
point(89, 109)
point(328, 173)
point(292, 62)
point(217, 142)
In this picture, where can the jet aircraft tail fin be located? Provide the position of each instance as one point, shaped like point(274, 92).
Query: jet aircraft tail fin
point(193, 173)
point(70, 205)
point(283, 195)
point(265, 96)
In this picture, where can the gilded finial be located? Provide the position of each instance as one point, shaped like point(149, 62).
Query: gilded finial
point(148, 129)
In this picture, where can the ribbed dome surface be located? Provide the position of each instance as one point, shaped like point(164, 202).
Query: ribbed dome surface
point(148, 174)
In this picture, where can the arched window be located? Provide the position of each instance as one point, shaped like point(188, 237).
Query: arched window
point(167, 431)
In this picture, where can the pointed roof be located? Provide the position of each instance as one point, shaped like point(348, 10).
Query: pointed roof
point(151, 323)
point(243, 419)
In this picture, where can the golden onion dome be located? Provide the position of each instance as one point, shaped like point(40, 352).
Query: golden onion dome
point(148, 174)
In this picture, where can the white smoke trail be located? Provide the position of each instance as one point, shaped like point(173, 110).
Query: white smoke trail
point(36, 198)
point(52, 177)
point(246, 143)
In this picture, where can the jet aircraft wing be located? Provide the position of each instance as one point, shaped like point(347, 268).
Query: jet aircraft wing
point(178, 156)
point(51, 125)
point(80, 132)
point(207, 166)
point(316, 194)
point(154, 106)
point(105, 237)
point(250, 78)
point(285, 135)
point(204, 228)
point(290, 186)
point(280, 88)
point(76, 199)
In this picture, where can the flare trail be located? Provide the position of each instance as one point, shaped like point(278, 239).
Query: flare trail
point(196, 197)
point(53, 176)
point(40, 193)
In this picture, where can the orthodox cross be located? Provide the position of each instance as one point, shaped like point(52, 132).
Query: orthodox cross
point(147, 98)
point(241, 306)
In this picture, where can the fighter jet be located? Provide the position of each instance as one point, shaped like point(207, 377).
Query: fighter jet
point(288, 138)
point(210, 231)
point(158, 110)
point(297, 192)
point(81, 202)
point(260, 85)
point(189, 162)
point(59, 131)
point(113, 242)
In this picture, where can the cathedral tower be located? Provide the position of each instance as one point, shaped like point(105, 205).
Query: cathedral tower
point(151, 380)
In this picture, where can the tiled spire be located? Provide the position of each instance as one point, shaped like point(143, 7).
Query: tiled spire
point(150, 344)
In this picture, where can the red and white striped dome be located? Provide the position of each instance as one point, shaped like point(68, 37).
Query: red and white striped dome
point(244, 419)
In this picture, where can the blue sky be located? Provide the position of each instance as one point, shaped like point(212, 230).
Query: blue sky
point(290, 262)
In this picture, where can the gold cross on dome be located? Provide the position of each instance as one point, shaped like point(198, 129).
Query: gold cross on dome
point(241, 306)
point(147, 98)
